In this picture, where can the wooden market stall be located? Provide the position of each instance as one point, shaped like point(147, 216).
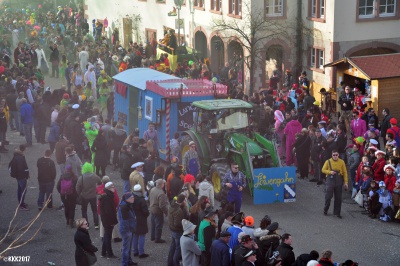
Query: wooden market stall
point(383, 71)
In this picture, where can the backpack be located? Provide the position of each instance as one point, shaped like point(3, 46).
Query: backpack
point(66, 186)
point(12, 168)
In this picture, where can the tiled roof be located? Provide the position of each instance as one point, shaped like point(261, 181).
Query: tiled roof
point(378, 66)
point(374, 66)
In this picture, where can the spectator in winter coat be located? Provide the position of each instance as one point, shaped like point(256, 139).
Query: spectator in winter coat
point(66, 187)
point(136, 177)
point(46, 177)
point(206, 234)
point(247, 244)
point(220, 251)
point(19, 170)
point(83, 242)
point(117, 138)
point(176, 184)
point(302, 147)
point(126, 169)
point(127, 226)
point(54, 135)
point(100, 191)
point(290, 131)
point(178, 211)
point(390, 178)
point(326, 258)
point(358, 126)
point(385, 125)
point(207, 189)
point(100, 150)
point(141, 212)
point(73, 160)
point(378, 166)
point(108, 219)
point(190, 250)
point(353, 162)
point(267, 237)
point(86, 188)
point(27, 121)
point(286, 250)
point(316, 156)
point(158, 208)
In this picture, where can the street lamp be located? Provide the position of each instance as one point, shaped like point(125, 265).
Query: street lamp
point(178, 4)
point(191, 8)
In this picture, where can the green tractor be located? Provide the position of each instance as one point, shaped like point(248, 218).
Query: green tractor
point(222, 134)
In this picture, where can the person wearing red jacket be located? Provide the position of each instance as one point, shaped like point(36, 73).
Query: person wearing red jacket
point(364, 160)
point(100, 191)
point(390, 179)
point(378, 166)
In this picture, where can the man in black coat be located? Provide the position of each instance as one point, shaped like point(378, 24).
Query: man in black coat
point(286, 250)
point(303, 259)
point(42, 116)
point(46, 177)
point(108, 219)
point(141, 212)
point(19, 170)
point(385, 125)
point(370, 117)
point(246, 245)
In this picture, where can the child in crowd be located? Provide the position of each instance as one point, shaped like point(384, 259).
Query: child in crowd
point(378, 166)
point(389, 149)
point(365, 182)
point(385, 198)
point(364, 160)
point(373, 200)
point(390, 179)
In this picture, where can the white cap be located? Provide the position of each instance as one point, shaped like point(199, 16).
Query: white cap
point(373, 141)
point(75, 106)
point(137, 164)
point(109, 185)
point(137, 187)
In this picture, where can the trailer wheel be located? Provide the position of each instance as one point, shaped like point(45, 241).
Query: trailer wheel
point(217, 172)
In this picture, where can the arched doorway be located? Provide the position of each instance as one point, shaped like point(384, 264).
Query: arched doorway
point(274, 60)
point(200, 41)
point(217, 54)
point(235, 57)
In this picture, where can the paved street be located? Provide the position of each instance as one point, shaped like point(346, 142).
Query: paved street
point(370, 242)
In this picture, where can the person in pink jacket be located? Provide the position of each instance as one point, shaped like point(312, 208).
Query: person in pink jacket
point(290, 131)
point(358, 126)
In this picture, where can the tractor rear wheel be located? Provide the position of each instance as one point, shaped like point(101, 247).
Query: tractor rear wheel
point(217, 172)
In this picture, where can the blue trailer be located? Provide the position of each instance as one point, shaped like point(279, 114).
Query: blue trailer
point(144, 95)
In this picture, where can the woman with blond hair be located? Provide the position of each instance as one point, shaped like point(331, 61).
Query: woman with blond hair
point(83, 243)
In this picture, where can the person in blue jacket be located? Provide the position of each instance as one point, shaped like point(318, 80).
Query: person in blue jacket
point(220, 251)
point(235, 182)
point(27, 120)
point(127, 227)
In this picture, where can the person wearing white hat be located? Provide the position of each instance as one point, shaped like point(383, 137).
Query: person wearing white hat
point(108, 217)
point(386, 199)
point(90, 76)
point(377, 167)
point(390, 178)
point(137, 176)
point(190, 250)
point(141, 212)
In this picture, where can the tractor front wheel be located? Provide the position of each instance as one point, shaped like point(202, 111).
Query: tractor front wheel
point(217, 172)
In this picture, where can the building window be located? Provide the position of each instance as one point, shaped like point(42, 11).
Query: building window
point(274, 8)
point(216, 5)
point(198, 3)
point(376, 8)
point(317, 9)
point(317, 58)
point(235, 7)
